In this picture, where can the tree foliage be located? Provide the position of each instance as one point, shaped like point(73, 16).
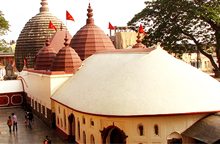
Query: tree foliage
point(179, 24)
point(4, 28)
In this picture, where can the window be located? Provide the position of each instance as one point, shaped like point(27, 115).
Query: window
point(39, 107)
point(59, 110)
point(141, 130)
point(79, 129)
point(58, 121)
point(92, 122)
point(32, 104)
point(64, 115)
point(36, 105)
point(84, 137)
point(61, 122)
point(84, 120)
point(43, 110)
point(92, 139)
point(156, 129)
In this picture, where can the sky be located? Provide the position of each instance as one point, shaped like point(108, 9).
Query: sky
point(117, 12)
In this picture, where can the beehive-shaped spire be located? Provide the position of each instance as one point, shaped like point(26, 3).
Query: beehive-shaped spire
point(90, 38)
point(33, 35)
point(45, 57)
point(139, 43)
point(67, 59)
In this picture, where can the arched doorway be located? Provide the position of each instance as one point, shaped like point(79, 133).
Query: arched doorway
point(113, 135)
point(71, 120)
point(174, 138)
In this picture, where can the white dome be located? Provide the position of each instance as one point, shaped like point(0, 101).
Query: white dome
point(132, 84)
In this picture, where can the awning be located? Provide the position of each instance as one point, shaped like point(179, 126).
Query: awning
point(206, 130)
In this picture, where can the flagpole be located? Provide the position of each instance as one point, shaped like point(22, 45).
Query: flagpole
point(66, 24)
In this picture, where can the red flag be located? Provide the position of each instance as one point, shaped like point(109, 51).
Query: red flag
point(24, 62)
point(68, 16)
point(110, 26)
point(52, 26)
point(141, 30)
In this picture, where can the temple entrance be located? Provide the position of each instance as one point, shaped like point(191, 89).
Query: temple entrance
point(113, 135)
point(71, 120)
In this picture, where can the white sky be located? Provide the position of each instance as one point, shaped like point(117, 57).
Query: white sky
point(117, 12)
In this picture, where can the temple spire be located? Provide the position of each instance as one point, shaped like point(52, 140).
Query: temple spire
point(44, 7)
point(90, 20)
point(66, 41)
point(138, 38)
point(47, 42)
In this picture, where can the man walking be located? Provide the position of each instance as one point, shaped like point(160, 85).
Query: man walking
point(31, 118)
point(15, 122)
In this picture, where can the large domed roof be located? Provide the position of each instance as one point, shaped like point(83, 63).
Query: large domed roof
point(90, 39)
point(139, 84)
point(33, 35)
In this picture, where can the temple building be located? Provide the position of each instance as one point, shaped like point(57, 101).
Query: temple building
point(33, 35)
point(134, 97)
point(90, 92)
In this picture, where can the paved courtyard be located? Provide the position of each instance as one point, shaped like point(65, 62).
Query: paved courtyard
point(24, 135)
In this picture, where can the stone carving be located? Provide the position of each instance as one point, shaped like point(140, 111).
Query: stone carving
point(9, 72)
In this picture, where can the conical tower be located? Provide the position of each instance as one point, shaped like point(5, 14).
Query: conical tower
point(45, 57)
point(67, 59)
point(33, 35)
point(90, 39)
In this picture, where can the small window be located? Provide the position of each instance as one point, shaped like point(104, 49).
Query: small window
point(141, 130)
point(33, 103)
point(39, 107)
point(156, 129)
point(84, 120)
point(92, 122)
point(59, 110)
point(58, 121)
point(43, 110)
point(36, 105)
point(79, 129)
point(84, 137)
point(92, 140)
point(64, 116)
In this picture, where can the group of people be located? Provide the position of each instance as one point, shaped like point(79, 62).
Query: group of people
point(14, 122)
point(29, 117)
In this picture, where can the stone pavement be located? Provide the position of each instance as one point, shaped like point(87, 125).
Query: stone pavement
point(24, 135)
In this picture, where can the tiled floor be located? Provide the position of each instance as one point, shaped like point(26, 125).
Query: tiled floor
point(24, 135)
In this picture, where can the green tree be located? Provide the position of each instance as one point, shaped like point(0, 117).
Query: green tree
point(4, 28)
point(179, 24)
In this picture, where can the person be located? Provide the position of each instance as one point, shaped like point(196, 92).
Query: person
point(26, 118)
point(31, 119)
point(9, 123)
point(47, 140)
point(15, 122)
